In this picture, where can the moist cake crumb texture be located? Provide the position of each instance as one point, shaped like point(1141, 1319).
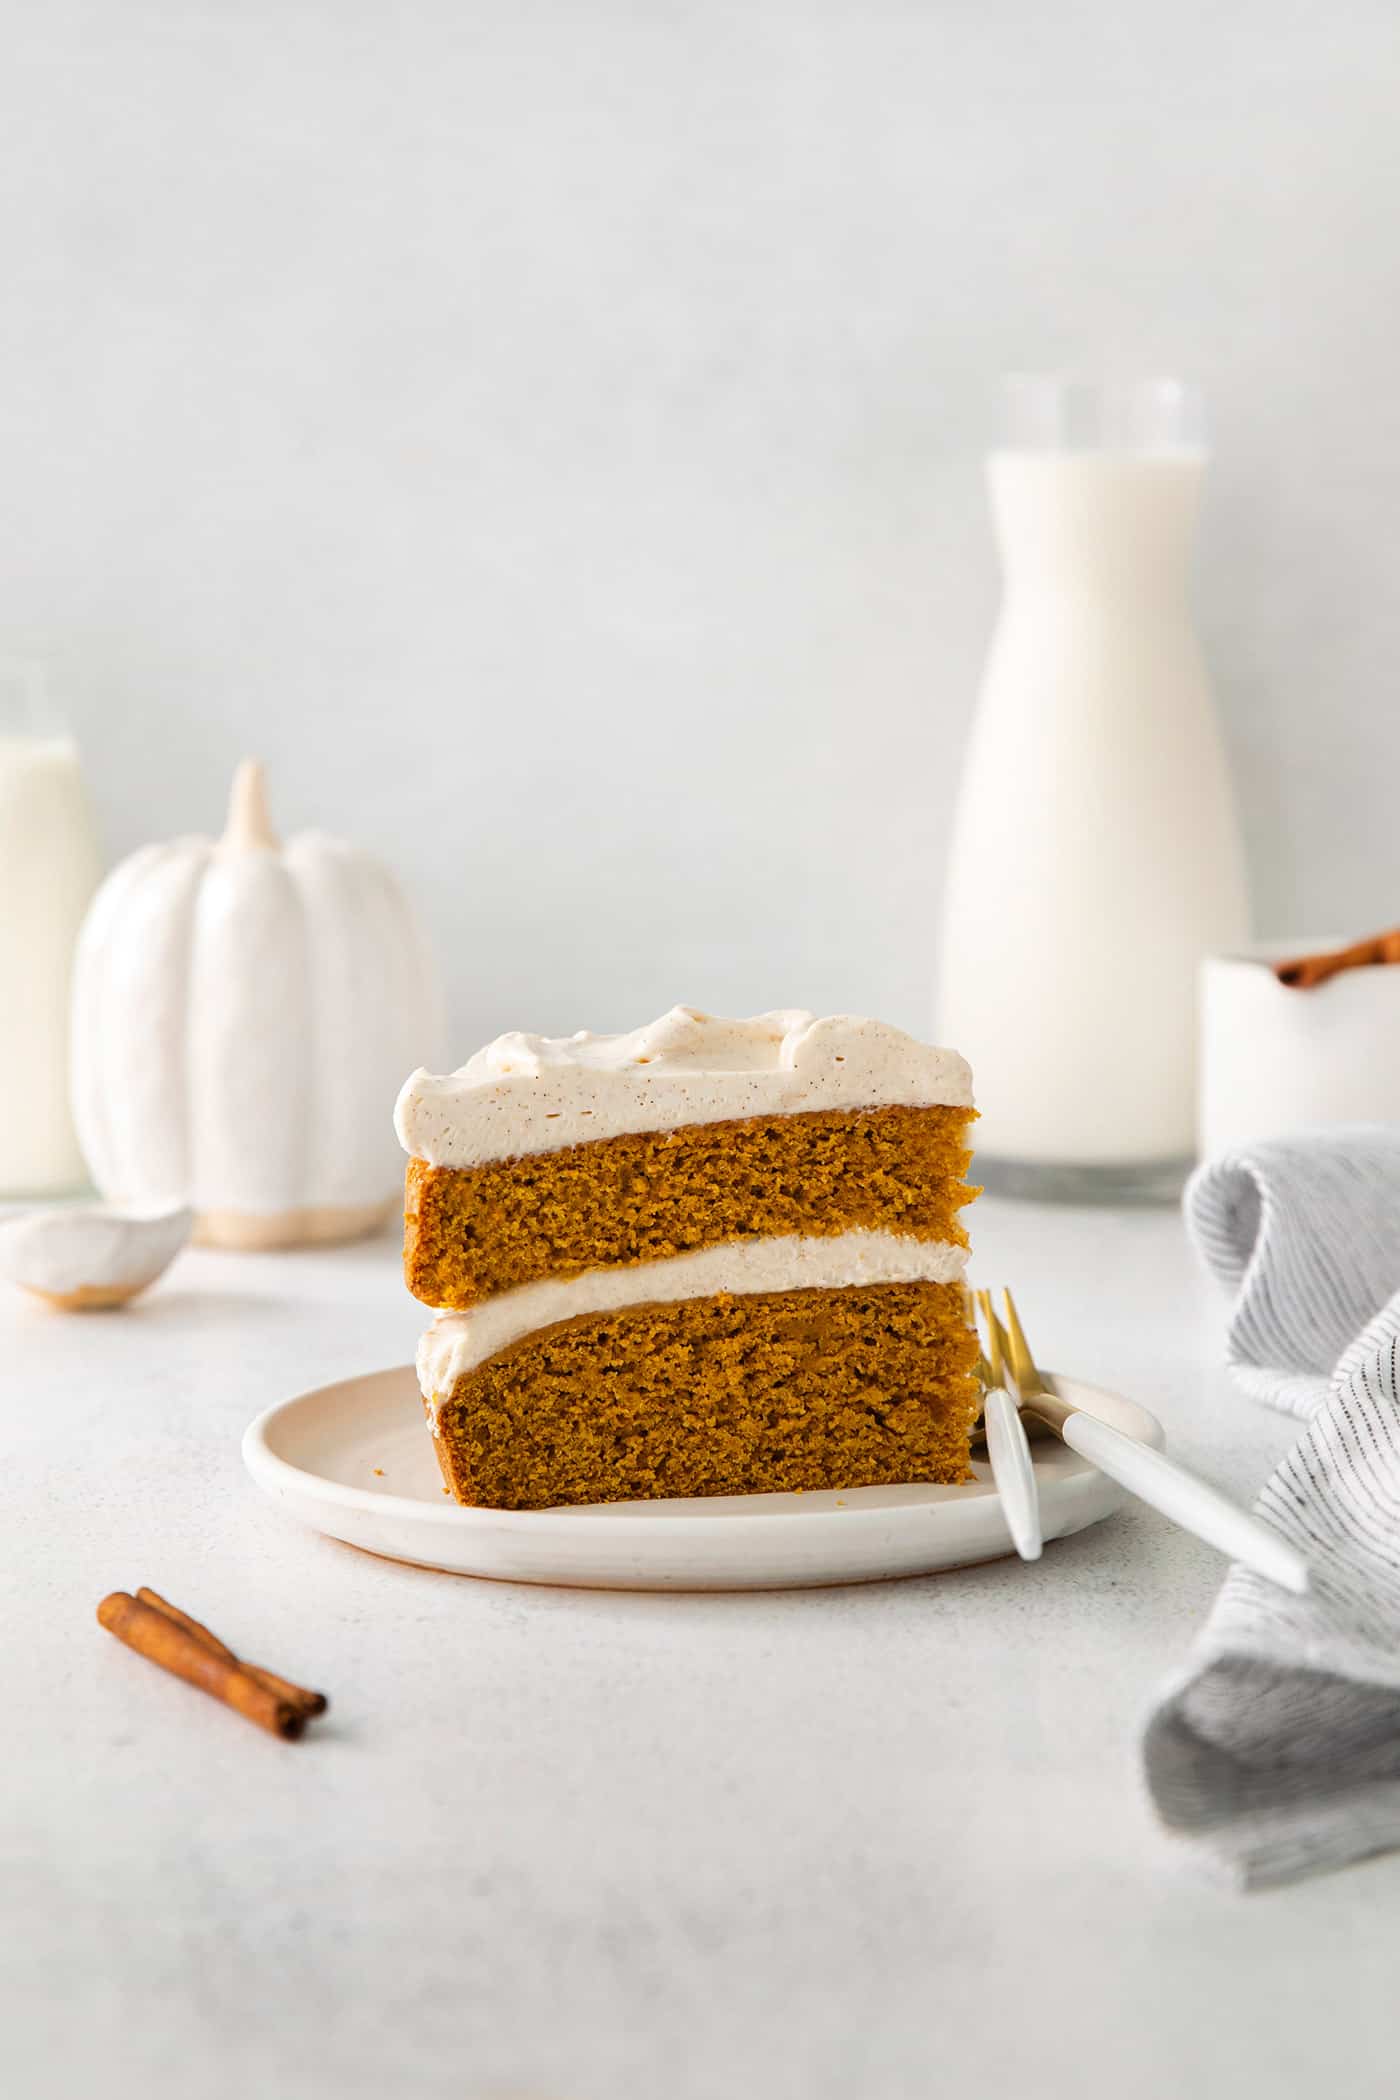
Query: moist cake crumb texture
point(471, 1232)
point(720, 1396)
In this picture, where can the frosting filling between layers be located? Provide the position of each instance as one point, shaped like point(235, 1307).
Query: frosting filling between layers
point(458, 1342)
point(527, 1094)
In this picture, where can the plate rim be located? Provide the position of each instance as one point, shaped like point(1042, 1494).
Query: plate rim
point(278, 1476)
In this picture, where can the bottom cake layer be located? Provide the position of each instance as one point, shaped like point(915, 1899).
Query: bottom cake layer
point(718, 1396)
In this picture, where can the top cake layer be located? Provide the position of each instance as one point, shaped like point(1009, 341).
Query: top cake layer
point(526, 1094)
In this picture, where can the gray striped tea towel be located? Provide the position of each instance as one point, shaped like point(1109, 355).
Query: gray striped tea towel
point(1277, 1751)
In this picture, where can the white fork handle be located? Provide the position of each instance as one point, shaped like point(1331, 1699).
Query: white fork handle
point(1013, 1470)
point(1189, 1502)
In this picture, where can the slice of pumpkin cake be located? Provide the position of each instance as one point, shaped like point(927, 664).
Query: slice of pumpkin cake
point(707, 1258)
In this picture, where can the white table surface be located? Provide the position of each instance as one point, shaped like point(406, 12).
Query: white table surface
point(552, 1845)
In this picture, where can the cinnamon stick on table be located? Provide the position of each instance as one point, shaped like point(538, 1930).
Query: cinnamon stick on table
point(1305, 971)
point(314, 1702)
point(171, 1638)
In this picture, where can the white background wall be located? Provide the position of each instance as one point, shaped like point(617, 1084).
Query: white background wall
point(549, 433)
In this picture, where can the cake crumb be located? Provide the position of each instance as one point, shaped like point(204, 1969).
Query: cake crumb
point(475, 1231)
point(780, 1392)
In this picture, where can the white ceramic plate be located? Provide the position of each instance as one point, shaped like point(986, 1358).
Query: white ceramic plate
point(355, 1461)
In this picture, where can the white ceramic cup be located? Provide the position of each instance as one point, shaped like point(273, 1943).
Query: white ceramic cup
point(1275, 1059)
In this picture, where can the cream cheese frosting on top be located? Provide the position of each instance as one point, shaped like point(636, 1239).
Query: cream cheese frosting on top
point(526, 1094)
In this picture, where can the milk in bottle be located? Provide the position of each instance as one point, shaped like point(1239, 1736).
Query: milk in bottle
point(49, 867)
point(1095, 856)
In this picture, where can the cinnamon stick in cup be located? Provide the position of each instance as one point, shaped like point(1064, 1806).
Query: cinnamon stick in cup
point(1303, 972)
point(174, 1641)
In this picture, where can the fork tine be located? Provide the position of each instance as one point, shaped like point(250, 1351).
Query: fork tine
point(995, 1349)
point(982, 1370)
point(1023, 1370)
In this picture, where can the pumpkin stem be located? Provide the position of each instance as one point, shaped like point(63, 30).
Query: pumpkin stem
point(248, 823)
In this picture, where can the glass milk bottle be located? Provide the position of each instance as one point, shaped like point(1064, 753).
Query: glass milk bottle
point(1096, 856)
point(49, 867)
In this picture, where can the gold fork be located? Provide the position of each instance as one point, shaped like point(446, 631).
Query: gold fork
point(1190, 1502)
point(1013, 1469)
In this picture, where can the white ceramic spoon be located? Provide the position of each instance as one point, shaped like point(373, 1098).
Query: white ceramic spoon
point(84, 1257)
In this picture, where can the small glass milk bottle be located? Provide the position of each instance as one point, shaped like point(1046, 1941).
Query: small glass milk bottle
point(1096, 856)
point(49, 868)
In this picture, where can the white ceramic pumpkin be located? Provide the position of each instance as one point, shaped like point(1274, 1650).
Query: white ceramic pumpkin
point(243, 1016)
